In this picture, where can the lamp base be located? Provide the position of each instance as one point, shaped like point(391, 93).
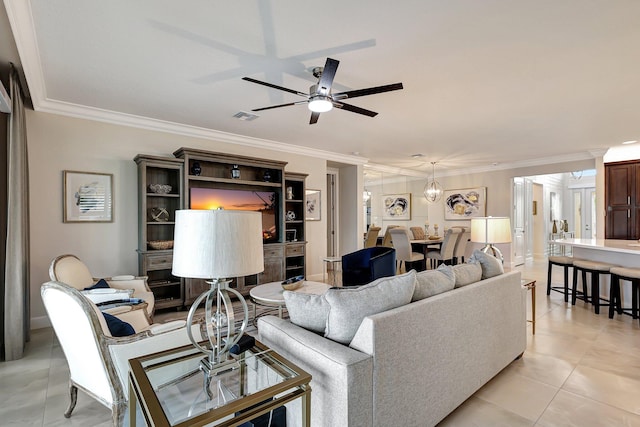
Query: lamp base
point(489, 248)
point(219, 328)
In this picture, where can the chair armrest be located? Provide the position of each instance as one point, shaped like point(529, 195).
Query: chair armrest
point(161, 328)
point(137, 283)
point(124, 348)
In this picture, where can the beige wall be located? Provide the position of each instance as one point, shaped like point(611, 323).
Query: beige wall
point(58, 143)
point(499, 195)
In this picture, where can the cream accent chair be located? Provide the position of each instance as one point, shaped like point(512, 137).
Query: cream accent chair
point(402, 244)
point(70, 270)
point(371, 239)
point(445, 254)
point(98, 362)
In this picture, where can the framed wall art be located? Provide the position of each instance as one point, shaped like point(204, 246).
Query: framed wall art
point(88, 197)
point(396, 207)
point(465, 203)
point(312, 205)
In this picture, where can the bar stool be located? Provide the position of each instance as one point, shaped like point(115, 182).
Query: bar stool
point(596, 269)
point(632, 275)
point(565, 262)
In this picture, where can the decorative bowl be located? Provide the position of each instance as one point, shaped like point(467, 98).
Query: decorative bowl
point(160, 188)
point(292, 283)
point(161, 244)
point(434, 237)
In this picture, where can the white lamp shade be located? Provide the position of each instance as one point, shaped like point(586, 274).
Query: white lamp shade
point(491, 230)
point(212, 244)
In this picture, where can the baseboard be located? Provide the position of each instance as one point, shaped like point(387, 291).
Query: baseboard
point(40, 322)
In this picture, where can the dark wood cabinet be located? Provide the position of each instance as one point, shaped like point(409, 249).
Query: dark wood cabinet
point(157, 204)
point(295, 233)
point(622, 200)
point(202, 179)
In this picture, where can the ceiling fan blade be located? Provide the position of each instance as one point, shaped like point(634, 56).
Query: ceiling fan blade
point(368, 91)
point(280, 105)
point(328, 73)
point(314, 118)
point(354, 109)
point(249, 79)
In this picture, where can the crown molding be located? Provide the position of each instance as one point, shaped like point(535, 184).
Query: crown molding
point(587, 155)
point(123, 119)
point(24, 34)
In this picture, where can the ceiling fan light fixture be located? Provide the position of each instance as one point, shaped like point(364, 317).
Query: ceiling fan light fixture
point(320, 104)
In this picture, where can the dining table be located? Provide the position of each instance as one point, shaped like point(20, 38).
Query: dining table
point(426, 245)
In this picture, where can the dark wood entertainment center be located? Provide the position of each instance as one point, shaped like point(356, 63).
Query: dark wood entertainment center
point(284, 244)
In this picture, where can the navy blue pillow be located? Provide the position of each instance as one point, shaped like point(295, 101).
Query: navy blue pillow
point(117, 327)
point(102, 284)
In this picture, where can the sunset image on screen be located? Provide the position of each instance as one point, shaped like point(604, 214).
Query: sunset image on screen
point(259, 201)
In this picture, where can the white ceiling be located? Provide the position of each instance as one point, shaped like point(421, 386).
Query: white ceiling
point(491, 81)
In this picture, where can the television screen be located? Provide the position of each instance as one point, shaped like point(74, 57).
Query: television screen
point(245, 200)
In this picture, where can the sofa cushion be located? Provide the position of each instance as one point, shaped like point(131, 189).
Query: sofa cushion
point(347, 307)
point(491, 266)
point(308, 311)
point(433, 282)
point(466, 274)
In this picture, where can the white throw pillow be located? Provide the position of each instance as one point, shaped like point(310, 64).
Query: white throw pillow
point(467, 274)
point(491, 266)
point(433, 282)
point(347, 307)
point(308, 311)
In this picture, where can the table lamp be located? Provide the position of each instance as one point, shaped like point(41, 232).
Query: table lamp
point(491, 230)
point(217, 245)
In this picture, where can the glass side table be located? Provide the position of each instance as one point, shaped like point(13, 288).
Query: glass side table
point(531, 285)
point(168, 388)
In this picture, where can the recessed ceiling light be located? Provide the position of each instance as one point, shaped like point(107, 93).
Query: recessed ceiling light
point(417, 156)
point(629, 142)
point(355, 153)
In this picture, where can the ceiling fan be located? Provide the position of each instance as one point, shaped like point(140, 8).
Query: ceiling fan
point(320, 99)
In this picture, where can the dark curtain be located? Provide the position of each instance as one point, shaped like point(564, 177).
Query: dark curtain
point(16, 275)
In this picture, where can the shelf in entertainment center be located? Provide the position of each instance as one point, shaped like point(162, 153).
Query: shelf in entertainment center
point(160, 223)
point(297, 221)
point(163, 195)
point(234, 181)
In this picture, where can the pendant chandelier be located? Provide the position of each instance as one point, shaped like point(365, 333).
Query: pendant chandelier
point(433, 190)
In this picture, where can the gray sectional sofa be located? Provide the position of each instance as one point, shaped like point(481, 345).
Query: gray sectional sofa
point(410, 365)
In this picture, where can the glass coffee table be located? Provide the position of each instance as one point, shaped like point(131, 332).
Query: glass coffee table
point(168, 388)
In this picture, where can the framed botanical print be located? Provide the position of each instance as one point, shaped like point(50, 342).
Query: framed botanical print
point(312, 205)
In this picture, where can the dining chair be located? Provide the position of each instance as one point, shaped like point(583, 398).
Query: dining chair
point(402, 244)
point(445, 254)
point(418, 233)
point(461, 244)
point(371, 239)
point(387, 241)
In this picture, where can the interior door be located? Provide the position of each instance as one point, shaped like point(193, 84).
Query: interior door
point(519, 222)
point(584, 213)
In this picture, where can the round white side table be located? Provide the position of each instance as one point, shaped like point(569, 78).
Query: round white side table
point(271, 294)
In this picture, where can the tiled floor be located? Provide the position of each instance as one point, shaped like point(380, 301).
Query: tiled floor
point(580, 369)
